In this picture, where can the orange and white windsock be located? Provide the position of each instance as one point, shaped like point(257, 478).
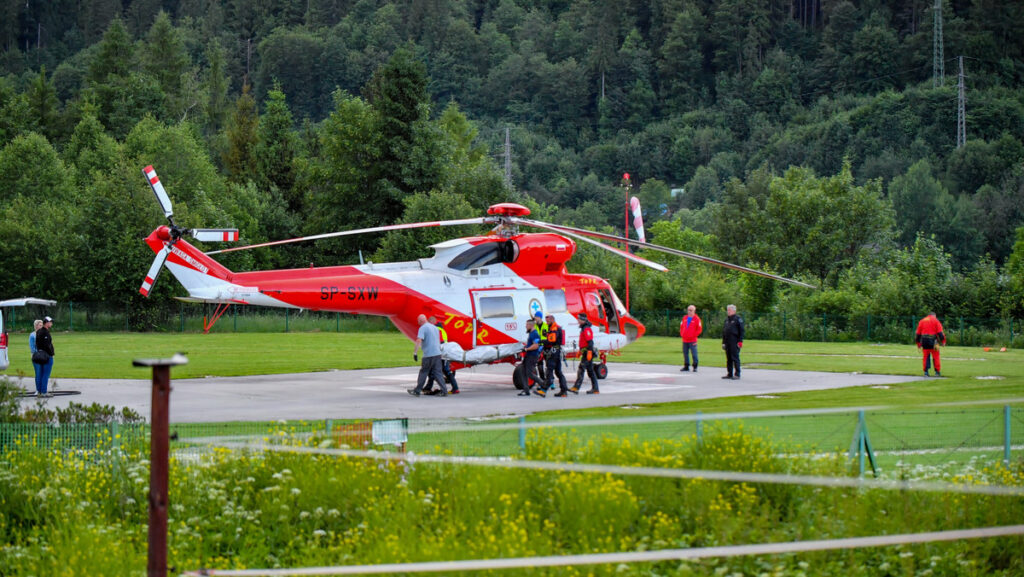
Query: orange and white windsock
point(638, 218)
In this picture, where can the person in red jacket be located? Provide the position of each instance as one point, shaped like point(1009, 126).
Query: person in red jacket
point(929, 335)
point(587, 353)
point(689, 329)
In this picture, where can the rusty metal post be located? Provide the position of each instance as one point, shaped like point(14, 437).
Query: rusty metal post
point(159, 450)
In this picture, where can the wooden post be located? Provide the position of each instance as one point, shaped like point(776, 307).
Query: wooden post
point(159, 450)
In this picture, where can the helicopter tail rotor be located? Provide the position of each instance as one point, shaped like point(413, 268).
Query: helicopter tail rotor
point(154, 271)
point(172, 234)
point(158, 190)
point(215, 234)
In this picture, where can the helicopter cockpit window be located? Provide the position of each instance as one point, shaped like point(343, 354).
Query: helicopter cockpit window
point(484, 254)
point(594, 304)
point(493, 307)
point(555, 301)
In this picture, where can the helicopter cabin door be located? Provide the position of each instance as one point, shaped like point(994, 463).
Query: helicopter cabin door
point(504, 310)
point(600, 309)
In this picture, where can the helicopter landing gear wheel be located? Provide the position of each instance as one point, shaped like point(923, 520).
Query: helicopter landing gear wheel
point(518, 378)
point(601, 371)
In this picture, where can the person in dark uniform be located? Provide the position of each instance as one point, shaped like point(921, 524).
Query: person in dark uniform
point(587, 354)
point(554, 338)
point(732, 342)
point(542, 328)
point(530, 358)
point(44, 342)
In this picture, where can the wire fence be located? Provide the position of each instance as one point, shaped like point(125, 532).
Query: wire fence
point(896, 438)
point(785, 326)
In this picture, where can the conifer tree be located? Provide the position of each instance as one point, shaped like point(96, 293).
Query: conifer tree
point(276, 146)
point(239, 160)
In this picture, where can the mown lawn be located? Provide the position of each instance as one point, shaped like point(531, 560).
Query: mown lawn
point(110, 355)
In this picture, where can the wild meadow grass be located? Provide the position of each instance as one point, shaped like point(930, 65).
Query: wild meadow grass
point(84, 512)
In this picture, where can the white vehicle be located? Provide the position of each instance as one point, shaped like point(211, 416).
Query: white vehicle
point(4, 361)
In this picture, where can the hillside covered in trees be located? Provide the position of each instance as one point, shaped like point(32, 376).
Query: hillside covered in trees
point(814, 138)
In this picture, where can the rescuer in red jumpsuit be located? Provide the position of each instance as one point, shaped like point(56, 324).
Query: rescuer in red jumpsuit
point(929, 335)
point(587, 354)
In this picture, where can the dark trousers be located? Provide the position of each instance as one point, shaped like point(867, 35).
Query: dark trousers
point(530, 371)
point(449, 375)
point(586, 367)
point(732, 359)
point(553, 360)
point(689, 348)
point(430, 367)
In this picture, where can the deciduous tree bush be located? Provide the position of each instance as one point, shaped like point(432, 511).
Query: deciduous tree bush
point(812, 141)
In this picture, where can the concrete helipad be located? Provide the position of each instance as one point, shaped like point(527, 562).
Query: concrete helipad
point(381, 393)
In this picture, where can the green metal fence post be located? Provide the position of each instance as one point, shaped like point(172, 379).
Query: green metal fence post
point(337, 322)
point(234, 319)
point(860, 442)
point(824, 325)
point(71, 316)
point(864, 445)
point(961, 331)
point(1006, 435)
point(869, 327)
point(287, 316)
point(783, 325)
point(522, 433)
point(181, 317)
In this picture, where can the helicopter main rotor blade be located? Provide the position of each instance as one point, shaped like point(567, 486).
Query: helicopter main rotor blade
point(464, 221)
point(613, 238)
point(158, 190)
point(582, 237)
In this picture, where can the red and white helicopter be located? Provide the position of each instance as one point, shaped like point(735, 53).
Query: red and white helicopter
point(481, 288)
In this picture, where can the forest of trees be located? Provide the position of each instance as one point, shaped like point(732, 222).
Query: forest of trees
point(806, 137)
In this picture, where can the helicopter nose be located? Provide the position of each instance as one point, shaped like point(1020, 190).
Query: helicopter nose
point(632, 328)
